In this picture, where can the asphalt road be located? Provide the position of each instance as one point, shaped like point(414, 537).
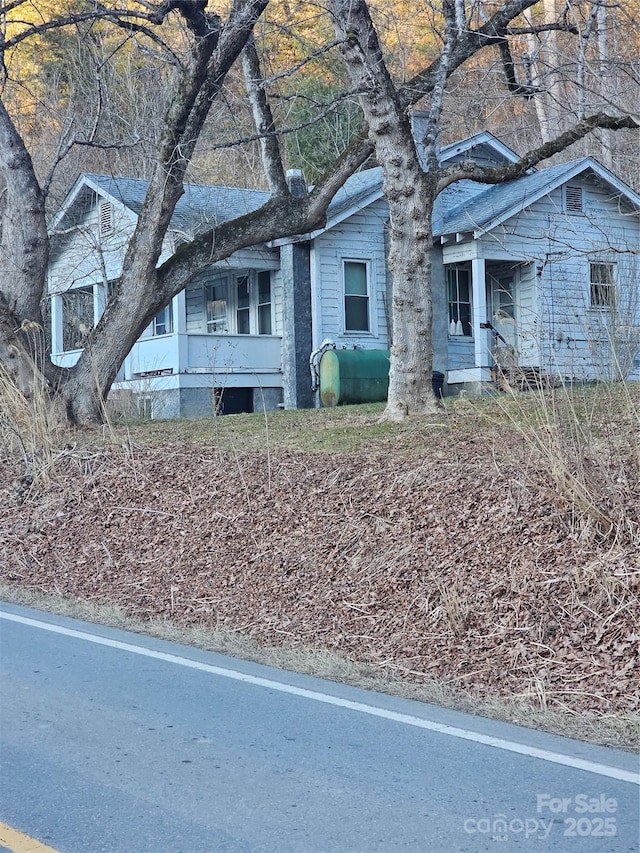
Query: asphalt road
point(112, 741)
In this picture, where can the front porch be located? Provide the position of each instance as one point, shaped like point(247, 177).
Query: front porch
point(492, 320)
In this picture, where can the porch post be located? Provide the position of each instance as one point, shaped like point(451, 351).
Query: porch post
point(57, 331)
point(479, 291)
point(179, 308)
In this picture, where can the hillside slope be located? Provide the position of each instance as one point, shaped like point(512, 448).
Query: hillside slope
point(427, 550)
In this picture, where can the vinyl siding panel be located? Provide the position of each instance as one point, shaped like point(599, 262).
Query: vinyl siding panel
point(360, 238)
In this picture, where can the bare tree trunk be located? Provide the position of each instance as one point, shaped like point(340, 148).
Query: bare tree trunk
point(138, 296)
point(24, 250)
point(410, 193)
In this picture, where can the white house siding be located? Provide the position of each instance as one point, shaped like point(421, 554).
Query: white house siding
point(574, 339)
point(82, 257)
point(528, 317)
point(277, 301)
point(359, 238)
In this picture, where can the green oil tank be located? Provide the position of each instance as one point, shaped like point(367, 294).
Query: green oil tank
point(354, 376)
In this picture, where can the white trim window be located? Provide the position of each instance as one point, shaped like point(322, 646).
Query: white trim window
point(216, 299)
point(602, 285)
point(239, 304)
point(265, 324)
point(355, 276)
point(243, 304)
point(163, 321)
point(460, 308)
point(77, 317)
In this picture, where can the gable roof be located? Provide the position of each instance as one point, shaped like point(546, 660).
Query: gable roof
point(364, 188)
point(463, 207)
point(197, 210)
point(483, 142)
point(487, 208)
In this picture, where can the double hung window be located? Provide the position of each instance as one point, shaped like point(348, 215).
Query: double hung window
point(602, 285)
point(356, 296)
point(459, 286)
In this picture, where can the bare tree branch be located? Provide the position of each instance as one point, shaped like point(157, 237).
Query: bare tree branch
point(263, 120)
point(508, 66)
point(501, 174)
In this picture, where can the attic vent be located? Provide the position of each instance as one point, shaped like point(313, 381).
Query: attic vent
point(106, 218)
point(573, 199)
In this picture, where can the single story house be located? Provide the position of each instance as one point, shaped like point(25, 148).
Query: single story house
point(541, 273)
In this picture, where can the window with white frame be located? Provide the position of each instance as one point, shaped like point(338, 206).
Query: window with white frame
point(239, 304)
point(356, 296)
point(77, 317)
point(264, 303)
point(243, 305)
point(216, 299)
point(163, 321)
point(459, 286)
point(602, 285)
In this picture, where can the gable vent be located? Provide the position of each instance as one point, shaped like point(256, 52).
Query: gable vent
point(105, 218)
point(573, 199)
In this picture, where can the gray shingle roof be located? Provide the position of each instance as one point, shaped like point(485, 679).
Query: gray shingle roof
point(198, 209)
point(488, 204)
point(355, 190)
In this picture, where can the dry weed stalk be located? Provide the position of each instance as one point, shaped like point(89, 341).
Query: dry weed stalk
point(30, 424)
point(454, 606)
point(590, 463)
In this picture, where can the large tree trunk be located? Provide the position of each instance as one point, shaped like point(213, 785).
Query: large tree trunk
point(24, 251)
point(410, 193)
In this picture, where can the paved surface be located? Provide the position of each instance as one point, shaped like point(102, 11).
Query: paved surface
point(113, 741)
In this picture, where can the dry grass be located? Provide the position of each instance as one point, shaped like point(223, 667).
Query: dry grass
point(580, 450)
point(584, 447)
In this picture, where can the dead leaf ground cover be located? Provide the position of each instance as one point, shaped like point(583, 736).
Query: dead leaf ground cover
point(433, 549)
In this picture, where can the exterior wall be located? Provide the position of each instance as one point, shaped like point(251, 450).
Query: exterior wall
point(359, 238)
point(170, 398)
point(558, 330)
point(572, 338)
point(84, 258)
point(233, 355)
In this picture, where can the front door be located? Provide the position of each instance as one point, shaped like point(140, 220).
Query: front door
point(500, 302)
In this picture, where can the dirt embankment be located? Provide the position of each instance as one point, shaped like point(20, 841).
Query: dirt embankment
point(433, 564)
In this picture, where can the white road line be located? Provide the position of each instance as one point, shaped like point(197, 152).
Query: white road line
point(328, 699)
